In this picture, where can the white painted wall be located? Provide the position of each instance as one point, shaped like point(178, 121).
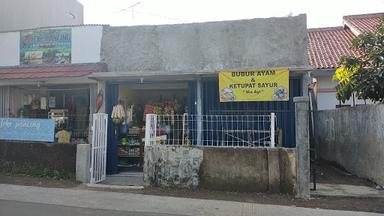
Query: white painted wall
point(327, 100)
point(27, 14)
point(9, 49)
point(86, 46)
point(325, 82)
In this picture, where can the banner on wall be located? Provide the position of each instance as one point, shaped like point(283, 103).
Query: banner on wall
point(254, 85)
point(23, 129)
point(46, 46)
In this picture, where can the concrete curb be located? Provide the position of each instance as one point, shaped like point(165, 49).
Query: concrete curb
point(116, 187)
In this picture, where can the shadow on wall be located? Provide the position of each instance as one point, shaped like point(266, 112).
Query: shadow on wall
point(353, 138)
point(226, 169)
point(52, 156)
point(249, 170)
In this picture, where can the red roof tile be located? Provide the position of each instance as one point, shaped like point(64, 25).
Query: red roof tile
point(327, 45)
point(55, 71)
point(363, 23)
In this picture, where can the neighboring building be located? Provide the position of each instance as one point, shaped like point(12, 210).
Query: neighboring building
point(327, 45)
point(27, 14)
point(43, 74)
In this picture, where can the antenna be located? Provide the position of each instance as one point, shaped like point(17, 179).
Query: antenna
point(132, 10)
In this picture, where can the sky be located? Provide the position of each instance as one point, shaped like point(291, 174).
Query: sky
point(320, 13)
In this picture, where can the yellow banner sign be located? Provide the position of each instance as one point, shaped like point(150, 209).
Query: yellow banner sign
point(254, 85)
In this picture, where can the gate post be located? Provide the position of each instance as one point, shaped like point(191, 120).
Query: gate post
point(273, 130)
point(83, 162)
point(302, 147)
point(150, 129)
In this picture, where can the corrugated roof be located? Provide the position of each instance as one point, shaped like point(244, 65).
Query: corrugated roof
point(363, 23)
point(51, 71)
point(327, 45)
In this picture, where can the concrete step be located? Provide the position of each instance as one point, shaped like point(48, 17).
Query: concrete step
point(125, 179)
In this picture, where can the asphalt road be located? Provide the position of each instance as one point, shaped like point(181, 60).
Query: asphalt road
point(16, 200)
point(15, 208)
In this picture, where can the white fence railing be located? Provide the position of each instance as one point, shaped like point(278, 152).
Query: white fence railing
point(211, 130)
point(99, 148)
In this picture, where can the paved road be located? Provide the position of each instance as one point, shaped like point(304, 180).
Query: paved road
point(35, 200)
point(8, 207)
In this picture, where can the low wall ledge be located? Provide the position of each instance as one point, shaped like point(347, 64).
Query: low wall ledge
point(301, 99)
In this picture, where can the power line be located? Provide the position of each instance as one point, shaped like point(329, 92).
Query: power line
point(161, 16)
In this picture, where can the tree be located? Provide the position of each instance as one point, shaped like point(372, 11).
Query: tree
point(345, 87)
point(363, 75)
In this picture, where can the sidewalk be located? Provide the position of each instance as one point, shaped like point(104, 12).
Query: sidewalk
point(343, 190)
point(156, 204)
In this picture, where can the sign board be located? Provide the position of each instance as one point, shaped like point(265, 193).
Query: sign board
point(254, 85)
point(46, 46)
point(23, 129)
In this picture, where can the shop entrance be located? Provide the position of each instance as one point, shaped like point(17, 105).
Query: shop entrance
point(128, 117)
point(68, 105)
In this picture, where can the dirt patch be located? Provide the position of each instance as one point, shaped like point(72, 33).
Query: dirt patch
point(36, 181)
point(351, 204)
point(332, 173)
point(335, 203)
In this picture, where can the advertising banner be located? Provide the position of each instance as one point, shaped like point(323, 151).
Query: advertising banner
point(254, 85)
point(45, 46)
point(23, 129)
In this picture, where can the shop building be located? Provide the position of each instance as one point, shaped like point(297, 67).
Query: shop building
point(43, 75)
point(173, 71)
point(216, 84)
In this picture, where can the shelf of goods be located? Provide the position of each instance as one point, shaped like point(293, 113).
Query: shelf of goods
point(131, 152)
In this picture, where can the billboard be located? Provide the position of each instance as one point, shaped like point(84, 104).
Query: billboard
point(46, 46)
point(254, 85)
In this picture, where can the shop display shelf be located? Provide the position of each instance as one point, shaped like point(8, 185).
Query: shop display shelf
point(123, 168)
point(132, 135)
point(129, 156)
point(131, 153)
point(129, 146)
point(129, 165)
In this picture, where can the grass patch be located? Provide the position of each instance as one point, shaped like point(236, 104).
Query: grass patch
point(13, 168)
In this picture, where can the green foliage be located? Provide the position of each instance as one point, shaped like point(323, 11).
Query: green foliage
point(344, 89)
point(13, 168)
point(364, 74)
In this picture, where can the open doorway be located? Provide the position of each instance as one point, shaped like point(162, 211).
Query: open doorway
point(137, 100)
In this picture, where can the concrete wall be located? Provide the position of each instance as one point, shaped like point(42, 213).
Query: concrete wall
point(9, 52)
point(86, 46)
point(249, 170)
point(53, 156)
point(83, 163)
point(23, 14)
point(353, 138)
point(172, 166)
point(228, 169)
point(207, 47)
